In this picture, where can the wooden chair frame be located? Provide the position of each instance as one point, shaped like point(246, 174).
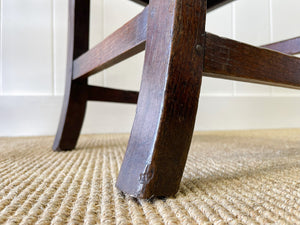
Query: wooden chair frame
point(178, 53)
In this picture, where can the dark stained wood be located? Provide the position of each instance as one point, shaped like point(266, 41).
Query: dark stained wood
point(168, 100)
point(228, 59)
point(290, 47)
point(218, 48)
point(211, 4)
point(122, 44)
point(111, 95)
point(75, 98)
point(213, 45)
point(178, 54)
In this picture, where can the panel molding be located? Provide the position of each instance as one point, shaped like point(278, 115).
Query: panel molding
point(39, 115)
point(223, 105)
point(96, 35)
point(59, 44)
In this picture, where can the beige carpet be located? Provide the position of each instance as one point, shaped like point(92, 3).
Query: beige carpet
point(248, 177)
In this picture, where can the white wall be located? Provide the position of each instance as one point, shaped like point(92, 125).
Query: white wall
point(32, 67)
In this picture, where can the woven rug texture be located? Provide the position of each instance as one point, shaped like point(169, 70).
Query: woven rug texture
point(232, 177)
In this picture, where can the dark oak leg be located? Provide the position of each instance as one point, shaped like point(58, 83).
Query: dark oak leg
point(75, 98)
point(168, 100)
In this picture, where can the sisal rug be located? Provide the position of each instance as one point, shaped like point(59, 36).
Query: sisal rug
point(236, 177)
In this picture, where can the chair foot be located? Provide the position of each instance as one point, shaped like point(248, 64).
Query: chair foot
point(72, 116)
point(161, 135)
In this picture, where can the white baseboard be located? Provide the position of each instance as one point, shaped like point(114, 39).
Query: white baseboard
point(39, 115)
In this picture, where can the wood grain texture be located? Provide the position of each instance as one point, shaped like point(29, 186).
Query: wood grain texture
point(168, 100)
point(122, 44)
point(290, 46)
point(178, 54)
point(228, 59)
point(75, 98)
point(217, 49)
point(111, 95)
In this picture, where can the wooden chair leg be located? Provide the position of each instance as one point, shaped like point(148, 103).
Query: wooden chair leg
point(75, 98)
point(160, 138)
